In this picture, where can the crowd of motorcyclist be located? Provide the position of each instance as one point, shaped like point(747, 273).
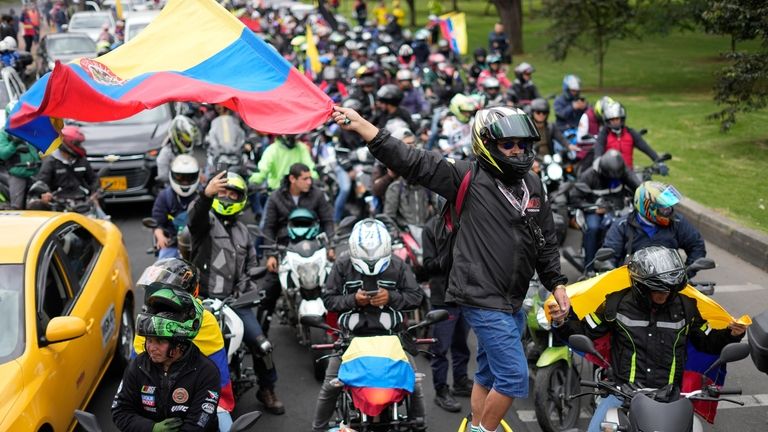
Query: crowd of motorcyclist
point(414, 86)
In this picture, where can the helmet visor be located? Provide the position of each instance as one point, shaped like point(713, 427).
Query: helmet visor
point(513, 126)
point(159, 275)
point(185, 179)
point(669, 197)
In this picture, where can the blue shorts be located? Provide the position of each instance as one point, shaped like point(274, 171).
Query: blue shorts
point(501, 363)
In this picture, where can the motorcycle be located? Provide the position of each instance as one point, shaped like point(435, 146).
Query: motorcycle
point(83, 203)
point(386, 414)
point(179, 223)
point(646, 410)
point(304, 267)
point(242, 377)
point(246, 421)
point(647, 173)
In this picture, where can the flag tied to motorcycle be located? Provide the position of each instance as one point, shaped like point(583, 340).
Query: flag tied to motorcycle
point(377, 372)
point(194, 51)
point(586, 296)
point(453, 27)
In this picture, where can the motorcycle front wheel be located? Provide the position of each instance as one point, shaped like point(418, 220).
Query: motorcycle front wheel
point(553, 387)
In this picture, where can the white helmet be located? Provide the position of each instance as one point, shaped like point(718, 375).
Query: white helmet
point(370, 247)
point(404, 75)
point(184, 175)
point(10, 42)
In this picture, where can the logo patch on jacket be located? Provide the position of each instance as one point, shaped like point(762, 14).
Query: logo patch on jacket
point(209, 408)
point(180, 395)
point(148, 389)
point(148, 400)
point(179, 408)
point(534, 205)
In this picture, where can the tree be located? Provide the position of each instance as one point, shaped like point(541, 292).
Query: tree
point(589, 25)
point(733, 17)
point(743, 85)
point(412, 7)
point(511, 16)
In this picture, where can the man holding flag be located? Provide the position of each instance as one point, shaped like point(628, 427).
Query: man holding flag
point(649, 324)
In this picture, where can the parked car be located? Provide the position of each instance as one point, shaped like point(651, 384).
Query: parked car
point(135, 22)
point(66, 310)
point(91, 23)
point(129, 149)
point(64, 47)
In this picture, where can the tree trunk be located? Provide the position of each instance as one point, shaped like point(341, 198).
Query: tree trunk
point(412, 7)
point(511, 16)
point(455, 5)
point(733, 43)
point(601, 49)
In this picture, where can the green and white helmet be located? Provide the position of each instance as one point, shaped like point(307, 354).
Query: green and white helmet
point(171, 314)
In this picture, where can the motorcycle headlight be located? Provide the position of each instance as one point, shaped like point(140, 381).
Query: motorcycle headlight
point(308, 275)
point(547, 159)
point(554, 172)
point(541, 318)
point(557, 158)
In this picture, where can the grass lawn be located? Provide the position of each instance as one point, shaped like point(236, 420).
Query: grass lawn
point(665, 83)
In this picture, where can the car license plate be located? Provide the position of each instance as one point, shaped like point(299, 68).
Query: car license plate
point(118, 183)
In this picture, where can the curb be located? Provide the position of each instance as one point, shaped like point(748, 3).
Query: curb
point(746, 243)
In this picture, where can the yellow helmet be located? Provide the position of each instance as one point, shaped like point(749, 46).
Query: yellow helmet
point(226, 206)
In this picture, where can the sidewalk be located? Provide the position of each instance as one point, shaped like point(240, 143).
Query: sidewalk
point(746, 243)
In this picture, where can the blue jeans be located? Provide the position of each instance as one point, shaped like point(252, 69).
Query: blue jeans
point(344, 183)
point(592, 237)
point(501, 362)
point(266, 373)
point(451, 334)
point(225, 421)
point(169, 252)
point(605, 404)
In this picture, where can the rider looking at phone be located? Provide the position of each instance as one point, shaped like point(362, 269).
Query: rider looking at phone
point(170, 207)
point(369, 288)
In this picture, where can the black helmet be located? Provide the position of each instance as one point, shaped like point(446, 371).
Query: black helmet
point(493, 125)
point(657, 268)
point(481, 52)
point(540, 105)
point(353, 103)
point(171, 273)
point(390, 94)
point(611, 165)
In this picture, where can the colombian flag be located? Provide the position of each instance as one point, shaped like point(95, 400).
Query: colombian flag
point(377, 372)
point(453, 27)
point(211, 344)
point(587, 295)
point(195, 51)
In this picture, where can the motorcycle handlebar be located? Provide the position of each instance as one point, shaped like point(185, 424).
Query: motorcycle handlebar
point(589, 384)
point(728, 391)
point(426, 341)
point(323, 346)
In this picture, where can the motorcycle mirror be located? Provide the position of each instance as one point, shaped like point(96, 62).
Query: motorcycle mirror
point(730, 353)
point(703, 263)
point(257, 272)
point(436, 316)
point(87, 421)
point(584, 344)
point(247, 299)
point(149, 222)
point(245, 421)
point(604, 254)
point(643, 131)
point(315, 321)
point(664, 157)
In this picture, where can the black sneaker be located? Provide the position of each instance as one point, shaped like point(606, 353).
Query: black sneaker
point(445, 400)
point(463, 387)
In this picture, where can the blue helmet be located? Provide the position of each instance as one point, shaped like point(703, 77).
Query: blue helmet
point(303, 224)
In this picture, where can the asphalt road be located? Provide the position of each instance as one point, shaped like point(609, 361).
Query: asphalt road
point(742, 289)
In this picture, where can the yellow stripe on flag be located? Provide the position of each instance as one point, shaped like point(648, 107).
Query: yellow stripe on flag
point(151, 52)
point(375, 346)
point(119, 9)
point(312, 54)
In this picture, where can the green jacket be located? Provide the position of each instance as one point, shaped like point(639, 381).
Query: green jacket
point(19, 163)
point(276, 162)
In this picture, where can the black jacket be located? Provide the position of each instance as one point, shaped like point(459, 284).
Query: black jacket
point(59, 175)
point(344, 281)
point(612, 192)
point(190, 390)
point(680, 234)
point(169, 203)
point(495, 254)
point(222, 248)
point(648, 344)
point(433, 268)
point(281, 204)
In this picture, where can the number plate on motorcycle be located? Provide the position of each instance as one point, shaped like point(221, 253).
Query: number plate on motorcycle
point(118, 183)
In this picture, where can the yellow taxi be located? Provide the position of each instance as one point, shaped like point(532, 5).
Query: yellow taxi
point(66, 309)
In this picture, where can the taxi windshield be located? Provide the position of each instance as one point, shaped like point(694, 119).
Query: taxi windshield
point(11, 312)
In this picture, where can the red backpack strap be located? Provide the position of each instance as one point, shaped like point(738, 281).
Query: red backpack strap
point(463, 189)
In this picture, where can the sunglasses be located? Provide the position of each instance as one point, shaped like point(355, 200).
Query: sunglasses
point(510, 144)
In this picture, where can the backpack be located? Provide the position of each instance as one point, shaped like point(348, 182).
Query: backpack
point(448, 225)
